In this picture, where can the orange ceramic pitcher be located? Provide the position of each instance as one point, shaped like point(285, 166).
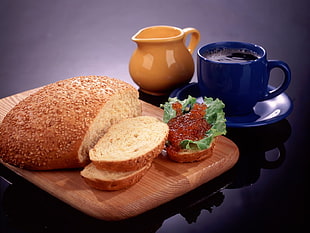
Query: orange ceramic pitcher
point(162, 61)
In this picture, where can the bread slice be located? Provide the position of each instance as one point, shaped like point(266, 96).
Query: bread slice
point(109, 180)
point(189, 156)
point(130, 144)
point(55, 127)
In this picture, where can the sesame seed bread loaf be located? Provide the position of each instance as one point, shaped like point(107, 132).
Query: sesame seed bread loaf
point(112, 181)
point(55, 127)
point(130, 144)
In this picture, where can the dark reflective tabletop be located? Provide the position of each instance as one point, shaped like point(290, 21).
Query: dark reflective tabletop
point(266, 191)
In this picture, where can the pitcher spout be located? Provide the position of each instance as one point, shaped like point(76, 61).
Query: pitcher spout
point(158, 34)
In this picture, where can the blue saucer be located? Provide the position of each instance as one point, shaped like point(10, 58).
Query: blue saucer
point(264, 112)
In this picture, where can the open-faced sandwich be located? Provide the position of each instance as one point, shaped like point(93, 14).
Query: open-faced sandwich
point(193, 127)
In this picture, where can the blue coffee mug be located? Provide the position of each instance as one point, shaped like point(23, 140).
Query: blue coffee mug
point(238, 74)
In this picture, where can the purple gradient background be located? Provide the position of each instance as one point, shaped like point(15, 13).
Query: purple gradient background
point(46, 41)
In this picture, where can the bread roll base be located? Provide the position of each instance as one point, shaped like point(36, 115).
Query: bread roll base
point(189, 156)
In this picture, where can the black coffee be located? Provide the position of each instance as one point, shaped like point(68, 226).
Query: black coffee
point(229, 55)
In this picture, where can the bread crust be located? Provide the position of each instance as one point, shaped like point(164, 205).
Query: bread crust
point(45, 130)
point(189, 156)
point(115, 184)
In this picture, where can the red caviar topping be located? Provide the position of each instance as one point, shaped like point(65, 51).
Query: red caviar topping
point(191, 125)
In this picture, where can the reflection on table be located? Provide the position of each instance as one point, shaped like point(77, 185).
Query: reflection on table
point(29, 208)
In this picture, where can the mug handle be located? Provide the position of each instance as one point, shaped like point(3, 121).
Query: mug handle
point(194, 40)
point(286, 81)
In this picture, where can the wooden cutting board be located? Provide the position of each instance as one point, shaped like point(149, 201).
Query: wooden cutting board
point(164, 181)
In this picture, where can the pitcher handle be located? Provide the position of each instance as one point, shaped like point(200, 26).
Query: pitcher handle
point(194, 40)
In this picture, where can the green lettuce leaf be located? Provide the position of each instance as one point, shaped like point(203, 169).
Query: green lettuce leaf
point(215, 116)
point(170, 113)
